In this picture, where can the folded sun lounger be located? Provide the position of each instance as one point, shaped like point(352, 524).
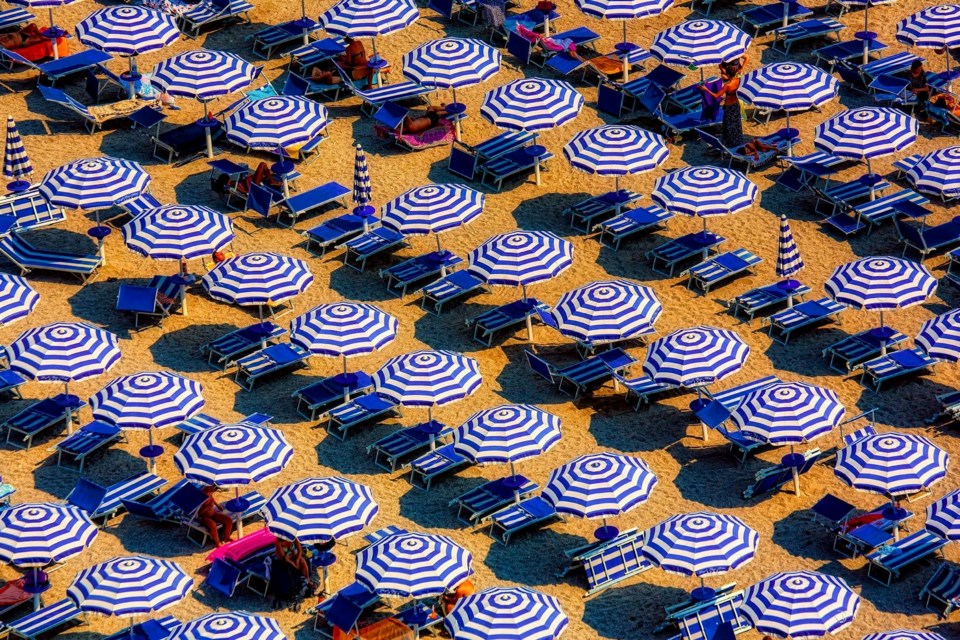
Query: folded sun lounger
point(30, 210)
point(783, 323)
point(609, 563)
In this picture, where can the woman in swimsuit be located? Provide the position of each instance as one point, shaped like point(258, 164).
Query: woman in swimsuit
point(353, 60)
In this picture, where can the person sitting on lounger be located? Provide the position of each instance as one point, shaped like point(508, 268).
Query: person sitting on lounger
point(291, 553)
point(947, 102)
point(353, 60)
point(451, 598)
point(262, 176)
point(25, 37)
point(417, 123)
point(211, 515)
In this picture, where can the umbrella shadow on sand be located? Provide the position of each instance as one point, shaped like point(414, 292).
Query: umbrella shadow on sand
point(701, 463)
point(180, 349)
point(534, 557)
point(637, 606)
point(615, 425)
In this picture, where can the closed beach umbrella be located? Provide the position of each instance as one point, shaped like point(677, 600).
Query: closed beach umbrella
point(129, 585)
point(53, 32)
point(16, 164)
point(362, 191)
point(428, 378)
point(259, 279)
point(938, 173)
point(369, 19)
point(700, 43)
point(17, 298)
point(414, 565)
point(936, 27)
point(314, 510)
point(943, 516)
point(433, 208)
point(695, 357)
point(704, 192)
point(94, 183)
point(507, 613)
point(789, 261)
point(940, 336)
point(800, 604)
point(624, 10)
point(607, 311)
point(903, 634)
point(229, 625)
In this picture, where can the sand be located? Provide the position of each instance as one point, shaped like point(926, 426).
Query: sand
point(692, 475)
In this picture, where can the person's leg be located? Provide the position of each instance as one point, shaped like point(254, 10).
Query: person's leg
point(226, 522)
point(320, 76)
point(211, 526)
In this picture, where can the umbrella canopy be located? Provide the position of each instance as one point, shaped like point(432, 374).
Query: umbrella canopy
point(788, 413)
point(148, 399)
point(17, 298)
point(203, 74)
point(903, 634)
point(257, 279)
point(940, 336)
point(38, 534)
point(936, 27)
point(607, 311)
point(16, 164)
point(230, 625)
point(94, 183)
point(369, 18)
point(788, 86)
point(531, 104)
point(623, 9)
point(700, 544)
point(130, 585)
point(178, 232)
point(362, 191)
point(599, 485)
point(507, 613)
point(450, 63)
point(233, 455)
point(700, 43)
point(63, 352)
point(315, 510)
point(507, 433)
point(704, 191)
point(53, 31)
point(938, 173)
point(880, 283)
point(696, 356)
point(433, 208)
point(128, 30)
point(343, 329)
point(428, 378)
point(866, 133)
point(413, 565)
point(789, 261)
point(520, 258)
point(891, 464)
point(800, 604)
point(943, 516)
point(616, 150)
point(275, 122)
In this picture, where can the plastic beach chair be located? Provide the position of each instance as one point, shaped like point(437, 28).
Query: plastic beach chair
point(10, 383)
point(628, 223)
point(401, 276)
point(336, 231)
point(721, 268)
point(211, 12)
point(891, 560)
point(582, 375)
point(684, 248)
point(895, 365)
point(943, 587)
point(361, 248)
point(489, 323)
point(860, 347)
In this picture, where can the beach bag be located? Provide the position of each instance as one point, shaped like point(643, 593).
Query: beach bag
point(284, 583)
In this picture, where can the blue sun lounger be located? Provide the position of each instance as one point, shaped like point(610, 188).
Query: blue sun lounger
point(844, 50)
point(300, 204)
point(739, 154)
point(29, 258)
point(507, 316)
point(466, 160)
point(30, 422)
point(928, 239)
point(58, 69)
point(756, 300)
point(223, 351)
point(944, 588)
point(714, 416)
point(845, 195)
point(14, 17)
point(10, 383)
point(394, 448)
point(892, 559)
point(451, 287)
point(87, 440)
point(510, 164)
point(806, 314)
point(202, 422)
point(511, 520)
point(786, 37)
point(375, 97)
point(30, 210)
point(661, 76)
point(268, 39)
point(772, 478)
point(274, 359)
point(641, 388)
point(872, 213)
point(720, 268)
point(609, 563)
point(429, 466)
point(45, 620)
point(766, 16)
point(639, 220)
point(322, 394)
point(353, 600)
point(315, 52)
point(92, 123)
point(336, 231)
point(160, 298)
point(400, 276)
point(369, 408)
point(906, 362)
point(682, 249)
point(211, 12)
point(717, 619)
point(491, 496)
point(154, 629)
point(583, 214)
point(370, 244)
point(592, 372)
point(103, 503)
point(860, 347)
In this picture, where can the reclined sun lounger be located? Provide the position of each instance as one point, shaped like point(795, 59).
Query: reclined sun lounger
point(854, 534)
point(587, 348)
point(466, 160)
point(633, 221)
point(583, 214)
point(202, 422)
point(184, 141)
point(14, 17)
point(714, 415)
point(342, 609)
point(336, 231)
point(766, 16)
point(87, 440)
point(300, 204)
point(772, 478)
point(211, 12)
point(720, 268)
point(845, 195)
point(927, 239)
point(225, 350)
point(641, 388)
point(632, 92)
point(10, 383)
point(323, 394)
point(873, 213)
point(751, 302)
point(401, 276)
point(103, 503)
point(390, 120)
point(812, 169)
point(268, 39)
point(393, 449)
point(274, 359)
point(894, 558)
point(30, 210)
point(370, 244)
point(369, 408)
point(684, 248)
point(782, 324)
point(830, 54)
point(451, 287)
point(786, 37)
point(944, 588)
point(305, 57)
point(510, 164)
point(592, 372)
point(153, 629)
point(532, 48)
point(491, 496)
point(894, 365)
point(46, 620)
point(93, 117)
point(55, 70)
point(511, 520)
point(860, 347)
point(29, 258)
point(374, 98)
point(426, 468)
point(507, 316)
point(30, 422)
point(716, 619)
point(739, 154)
point(160, 298)
point(609, 563)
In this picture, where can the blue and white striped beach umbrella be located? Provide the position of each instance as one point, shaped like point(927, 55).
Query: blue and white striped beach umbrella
point(129, 585)
point(148, 399)
point(700, 544)
point(414, 565)
point(607, 311)
point(936, 27)
point(178, 232)
point(343, 329)
point(50, 5)
point(63, 352)
point(369, 18)
point(203, 74)
point(866, 133)
point(696, 356)
point(16, 164)
point(451, 63)
point(315, 510)
point(938, 173)
point(39, 534)
point(432, 208)
point(940, 336)
point(788, 413)
point(278, 121)
point(507, 613)
point(789, 261)
point(880, 283)
point(229, 625)
point(903, 634)
point(531, 104)
point(700, 43)
point(623, 10)
point(17, 298)
point(891, 464)
point(362, 191)
point(704, 192)
point(233, 455)
point(520, 258)
point(128, 30)
point(599, 485)
point(507, 433)
point(428, 378)
point(616, 150)
point(800, 604)
point(258, 278)
point(943, 516)
point(94, 183)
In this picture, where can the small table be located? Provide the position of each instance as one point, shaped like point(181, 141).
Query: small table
point(99, 233)
point(235, 507)
point(150, 453)
point(794, 461)
point(323, 561)
point(606, 533)
point(36, 583)
point(536, 151)
point(788, 287)
point(702, 594)
point(18, 186)
point(377, 64)
point(282, 169)
point(208, 124)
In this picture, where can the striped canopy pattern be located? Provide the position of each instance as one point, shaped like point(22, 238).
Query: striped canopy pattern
point(230, 625)
point(788, 413)
point(789, 261)
point(507, 613)
point(704, 191)
point(700, 43)
point(531, 104)
point(451, 62)
point(316, 509)
point(599, 485)
point(130, 585)
point(867, 132)
point(428, 378)
point(362, 191)
point(233, 455)
point(369, 18)
point(891, 464)
point(521, 257)
point(42, 3)
point(700, 544)
point(38, 534)
point(607, 311)
point(931, 28)
point(127, 30)
point(943, 516)
point(790, 86)
point(279, 121)
point(696, 356)
point(343, 329)
point(616, 150)
point(432, 208)
point(800, 604)
point(507, 433)
point(938, 173)
point(413, 565)
point(257, 279)
point(623, 9)
point(880, 283)
point(148, 399)
point(63, 351)
point(178, 232)
point(16, 164)
point(17, 298)
point(203, 74)
point(903, 634)
point(940, 336)
point(94, 183)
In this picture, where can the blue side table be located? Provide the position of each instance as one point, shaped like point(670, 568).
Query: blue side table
point(99, 233)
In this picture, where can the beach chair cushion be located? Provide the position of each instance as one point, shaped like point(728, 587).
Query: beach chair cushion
point(392, 448)
point(46, 619)
point(509, 521)
point(898, 555)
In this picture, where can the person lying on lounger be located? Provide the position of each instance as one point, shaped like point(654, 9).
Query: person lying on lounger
point(947, 102)
point(353, 60)
point(25, 37)
point(262, 176)
point(756, 146)
point(291, 553)
point(414, 123)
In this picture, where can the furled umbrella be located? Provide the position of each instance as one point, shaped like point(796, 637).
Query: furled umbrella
point(433, 208)
point(507, 613)
point(204, 75)
point(54, 33)
point(938, 173)
point(800, 604)
point(936, 27)
point(228, 625)
point(17, 298)
point(532, 104)
point(903, 634)
point(939, 336)
point(700, 43)
point(129, 585)
point(624, 10)
point(600, 485)
point(789, 261)
point(128, 31)
point(704, 192)
point(35, 535)
point(148, 400)
point(943, 516)
point(259, 279)
point(452, 63)
point(428, 379)
point(700, 544)
point(607, 311)
point(16, 164)
point(362, 191)
point(695, 357)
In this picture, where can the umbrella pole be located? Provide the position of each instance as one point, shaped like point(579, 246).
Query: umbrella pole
point(183, 288)
point(53, 40)
point(786, 15)
point(529, 319)
point(516, 488)
point(790, 140)
point(373, 45)
point(946, 60)
point(795, 472)
point(626, 55)
point(236, 495)
point(303, 18)
point(346, 381)
point(703, 426)
point(616, 192)
point(883, 340)
point(866, 27)
point(873, 192)
point(206, 129)
point(132, 82)
point(456, 117)
point(66, 411)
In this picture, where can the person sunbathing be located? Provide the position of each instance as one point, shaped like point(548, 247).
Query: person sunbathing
point(291, 553)
point(415, 123)
point(261, 176)
point(211, 515)
point(947, 102)
point(353, 60)
point(25, 37)
point(756, 146)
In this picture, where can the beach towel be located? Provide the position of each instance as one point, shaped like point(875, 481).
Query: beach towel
point(710, 106)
